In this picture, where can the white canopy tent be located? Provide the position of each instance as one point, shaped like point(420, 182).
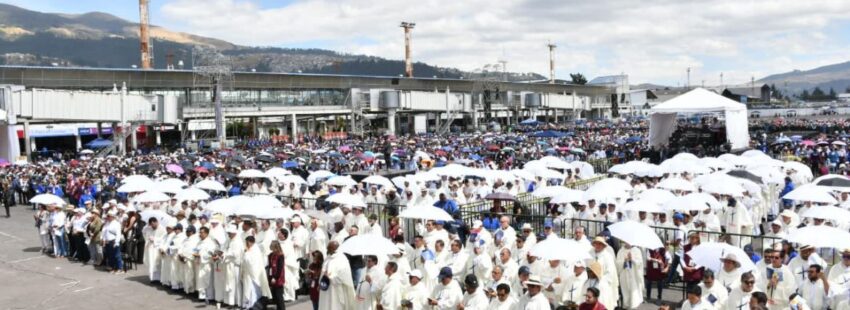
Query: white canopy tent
point(662, 121)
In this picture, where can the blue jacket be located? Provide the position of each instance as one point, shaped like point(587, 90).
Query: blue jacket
point(449, 206)
point(789, 186)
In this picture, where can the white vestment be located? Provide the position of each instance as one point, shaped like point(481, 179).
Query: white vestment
point(715, 296)
point(631, 276)
point(340, 292)
point(153, 240)
point(204, 263)
point(447, 296)
point(738, 299)
point(475, 301)
point(255, 283)
point(233, 253)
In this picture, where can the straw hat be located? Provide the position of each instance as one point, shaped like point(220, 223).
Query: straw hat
point(596, 268)
point(534, 280)
point(731, 257)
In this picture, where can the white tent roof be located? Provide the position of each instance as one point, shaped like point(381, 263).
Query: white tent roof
point(662, 120)
point(698, 100)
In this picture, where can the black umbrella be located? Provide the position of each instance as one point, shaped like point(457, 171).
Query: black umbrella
point(743, 174)
point(837, 181)
point(265, 159)
point(500, 196)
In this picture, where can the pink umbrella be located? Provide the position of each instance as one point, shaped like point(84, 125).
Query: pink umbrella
point(345, 148)
point(174, 168)
point(808, 143)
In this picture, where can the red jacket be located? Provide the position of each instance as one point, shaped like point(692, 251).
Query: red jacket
point(276, 270)
point(695, 275)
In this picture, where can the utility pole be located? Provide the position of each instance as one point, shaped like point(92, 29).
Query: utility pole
point(504, 69)
point(688, 83)
point(144, 35)
point(552, 47)
point(408, 65)
point(721, 79)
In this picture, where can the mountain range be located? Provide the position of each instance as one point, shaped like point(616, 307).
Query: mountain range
point(102, 40)
point(835, 76)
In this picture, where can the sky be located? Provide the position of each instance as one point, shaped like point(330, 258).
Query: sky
point(653, 41)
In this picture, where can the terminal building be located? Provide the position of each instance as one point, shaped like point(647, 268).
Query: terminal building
point(67, 108)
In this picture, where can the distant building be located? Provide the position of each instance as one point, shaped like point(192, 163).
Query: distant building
point(845, 97)
point(642, 100)
point(620, 97)
point(748, 95)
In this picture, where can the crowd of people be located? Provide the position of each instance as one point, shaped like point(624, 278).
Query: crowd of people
point(108, 214)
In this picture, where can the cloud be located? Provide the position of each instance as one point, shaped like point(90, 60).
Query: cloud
point(652, 41)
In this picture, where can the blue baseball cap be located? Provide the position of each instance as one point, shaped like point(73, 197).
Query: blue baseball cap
point(446, 272)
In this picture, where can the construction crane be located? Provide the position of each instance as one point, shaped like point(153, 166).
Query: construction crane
point(144, 35)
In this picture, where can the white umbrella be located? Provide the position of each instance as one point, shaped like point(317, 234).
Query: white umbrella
point(656, 196)
point(685, 156)
point(685, 204)
point(320, 215)
point(640, 205)
point(828, 213)
point(252, 174)
point(277, 172)
point(677, 184)
point(136, 178)
point(277, 213)
point(724, 188)
point(158, 214)
point(426, 177)
point(290, 179)
point(253, 211)
point(136, 185)
point(317, 175)
point(715, 163)
point(346, 199)
point(565, 250)
point(709, 254)
point(585, 169)
point(379, 180)
point(223, 206)
point(151, 196)
point(267, 201)
point(676, 165)
point(171, 185)
point(426, 213)
point(550, 191)
point(801, 168)
point(613, 184)
point(341, 181)
point(192, 194)
point(636, 234)
point(47, 199)
point(571, 195)
point(86, 152)
point(211, 185)
point(603, 195)
point(369, 244)
point(525, 175)
point(821, 236)
point(630, 167)
point(810, 193)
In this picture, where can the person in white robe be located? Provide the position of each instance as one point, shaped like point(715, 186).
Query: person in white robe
point(447, 295)
point(694, 302)
point(206, 250)
point(173, 251)
point(392, 290)
point(504, 299)
point(474, 298)
point(572, 289)
point(154, 235)
point(481, 264)
point(553, 277)
point(336, 272)
point(594, 279)
point(739, 297)
point(255, 283)
point(603, 254)
point(459, 259)
point(778, 282)
point(233, 252)
point(536, 300)
point(318, 237)
point(630, 268)
point(815, 288)
point(368, 288)
point(712, 293)
point(166, 260)
point(799, 265)
point(415, 294)
point(291, 275)
point(839, 279)
point(219, 236)
point(729, 275)
point(300, 238)
point(187, 254)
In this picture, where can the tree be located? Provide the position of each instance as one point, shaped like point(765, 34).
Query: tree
point(805, 95)
point(818, 94)
point(775, 92)
point(578, 78)
point(832, 94)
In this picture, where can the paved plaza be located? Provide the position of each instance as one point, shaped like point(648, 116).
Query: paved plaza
point(31, 280)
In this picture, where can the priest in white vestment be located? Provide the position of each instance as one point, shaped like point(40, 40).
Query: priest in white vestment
point(630, 267)
point(336, 275)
